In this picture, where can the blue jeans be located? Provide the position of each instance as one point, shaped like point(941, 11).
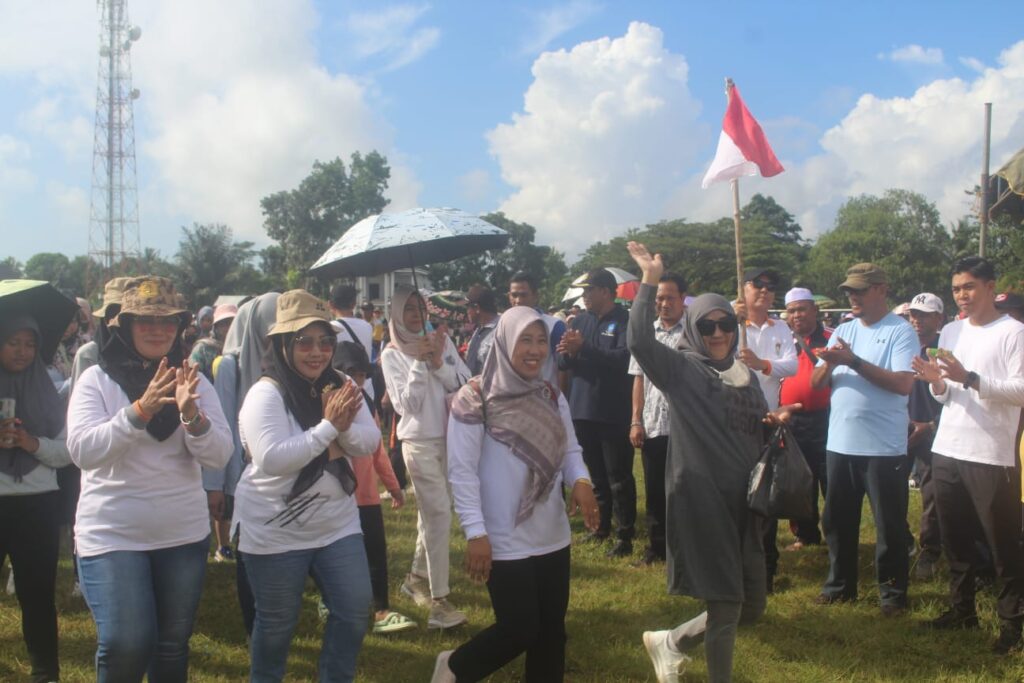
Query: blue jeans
point(341, 573)
point(144, 605)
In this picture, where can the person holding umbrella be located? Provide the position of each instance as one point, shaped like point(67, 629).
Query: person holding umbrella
point(140, 425)
point(32, 448)
point(420, 369)
point(511, 450)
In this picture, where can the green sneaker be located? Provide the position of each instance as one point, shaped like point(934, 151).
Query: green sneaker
point(393, 622)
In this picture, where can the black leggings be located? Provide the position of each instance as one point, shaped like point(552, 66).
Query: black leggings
point(529, 598)
point(372, 520)
point(29, 527)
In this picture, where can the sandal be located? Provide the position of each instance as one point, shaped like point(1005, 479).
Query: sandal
point(393, 622)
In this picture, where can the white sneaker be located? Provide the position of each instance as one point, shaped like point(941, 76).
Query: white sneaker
point(10, 582)
point(667, 662)
point(442, 674)
point(417, 588)
point(76, 590)
point(443, 615)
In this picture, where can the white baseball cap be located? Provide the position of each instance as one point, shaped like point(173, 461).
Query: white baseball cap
point(798, 294)
point(927, 303)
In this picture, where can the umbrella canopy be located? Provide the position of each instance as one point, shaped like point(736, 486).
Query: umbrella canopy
point(621, 276)
point(380, 244)
point(41, 300)
point(447, 306)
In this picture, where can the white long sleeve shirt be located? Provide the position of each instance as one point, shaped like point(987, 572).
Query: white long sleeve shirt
point(773, 342)
point(981, 425)
point(280, 448)
point(488, 480)
point(419, 392)
point(52, 454)
point(139, 493)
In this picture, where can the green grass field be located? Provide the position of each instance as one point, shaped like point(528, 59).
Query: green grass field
point(612, 604)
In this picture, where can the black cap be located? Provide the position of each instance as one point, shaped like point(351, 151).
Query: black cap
point(598, 277)
point(1009, 301)
point(751, 274)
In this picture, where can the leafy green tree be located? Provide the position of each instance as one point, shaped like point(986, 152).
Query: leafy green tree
point(1004, 246)
point(209, 263)
point(48, 266)
point(307, 220)
point(10, 269)
point(900, 231)
point(495, 268)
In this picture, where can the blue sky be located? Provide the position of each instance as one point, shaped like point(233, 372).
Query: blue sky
point(582, 118)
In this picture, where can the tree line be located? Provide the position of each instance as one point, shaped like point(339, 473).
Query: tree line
point(899, 230)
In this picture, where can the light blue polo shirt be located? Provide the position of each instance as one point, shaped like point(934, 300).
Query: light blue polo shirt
point(866, 419)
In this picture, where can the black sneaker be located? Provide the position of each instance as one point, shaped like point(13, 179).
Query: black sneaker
point(953, 619)
point(830, 599)
point(622, 548)
point(1009, 641)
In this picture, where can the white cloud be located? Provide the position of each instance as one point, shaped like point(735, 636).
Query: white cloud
point(62, 123)
point(915, 54)
point(550, 24)
point(973, 63)
point(606, 131)
point(72, 203)
point(475, 186)
point(929, 142)
point(392, 34)
point(15, 177)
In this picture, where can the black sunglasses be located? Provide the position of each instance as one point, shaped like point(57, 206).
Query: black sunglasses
point(706, 327)
point(763, 284)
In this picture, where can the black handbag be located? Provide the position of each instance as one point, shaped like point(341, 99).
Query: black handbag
point(781, 482)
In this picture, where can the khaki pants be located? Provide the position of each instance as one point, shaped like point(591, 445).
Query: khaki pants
point(427, 463)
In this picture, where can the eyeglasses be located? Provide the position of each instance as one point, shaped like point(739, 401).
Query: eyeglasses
point(163, 321)
point(306, 344)
point(762, 284)
point(706, 327)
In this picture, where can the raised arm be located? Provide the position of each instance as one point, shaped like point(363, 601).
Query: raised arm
point(656, 360)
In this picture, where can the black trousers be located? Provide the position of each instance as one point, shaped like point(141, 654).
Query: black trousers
point(884, 480)
point(811, 433)
point(653, 454)
point(977, 499)
point(29, 535)
point(372, 520)
point(930, 538)
point(608, 455)
point(529, 598)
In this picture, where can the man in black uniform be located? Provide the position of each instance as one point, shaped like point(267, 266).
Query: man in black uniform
point(594, 353)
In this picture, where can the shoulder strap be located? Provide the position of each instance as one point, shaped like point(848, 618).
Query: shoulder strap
point(351, 333)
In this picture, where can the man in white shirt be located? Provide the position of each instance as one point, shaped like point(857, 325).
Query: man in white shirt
point(649, 428)
point(348, 326)
point(771, 354)
point(974, 455)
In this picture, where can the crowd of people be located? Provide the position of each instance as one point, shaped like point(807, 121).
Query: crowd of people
point(265, 433)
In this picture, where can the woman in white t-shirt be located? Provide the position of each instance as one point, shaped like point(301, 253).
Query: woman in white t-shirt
point(511, 448)
point(294, 502)
point(140, 425)
point(420, 370)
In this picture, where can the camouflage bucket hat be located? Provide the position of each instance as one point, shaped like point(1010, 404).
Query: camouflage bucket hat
point(298, 308)
point(148, 295)
point(112, 293)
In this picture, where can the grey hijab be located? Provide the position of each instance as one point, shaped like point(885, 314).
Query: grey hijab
point(692, 339)
point(37, 404)
point(247, 338)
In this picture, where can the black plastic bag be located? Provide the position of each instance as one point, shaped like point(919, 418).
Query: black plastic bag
point(781, 482)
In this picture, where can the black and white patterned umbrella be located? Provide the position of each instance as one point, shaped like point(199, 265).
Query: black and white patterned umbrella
point(417, 237)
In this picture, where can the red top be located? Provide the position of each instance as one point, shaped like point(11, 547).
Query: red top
point(797, 389)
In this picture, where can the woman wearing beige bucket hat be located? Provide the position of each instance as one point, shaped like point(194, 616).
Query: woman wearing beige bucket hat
point(140, 425)
point(294, 503)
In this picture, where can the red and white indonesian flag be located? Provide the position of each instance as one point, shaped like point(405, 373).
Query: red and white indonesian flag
point(742, 147)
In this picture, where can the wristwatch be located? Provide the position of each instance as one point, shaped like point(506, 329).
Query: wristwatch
point(972, 379)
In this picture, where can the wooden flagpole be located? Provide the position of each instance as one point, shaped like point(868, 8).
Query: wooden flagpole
point(739, 233)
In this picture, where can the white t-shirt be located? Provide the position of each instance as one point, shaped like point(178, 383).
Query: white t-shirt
point(981, 425)
point(139, 493)
point(488, 480)
point(280, 449)
point(419, 393)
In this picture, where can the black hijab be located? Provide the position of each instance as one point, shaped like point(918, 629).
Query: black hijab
point(133, 373)
point(37, 403)
point(302, 398)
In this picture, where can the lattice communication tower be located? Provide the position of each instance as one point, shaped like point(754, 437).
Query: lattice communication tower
point(114, 207)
